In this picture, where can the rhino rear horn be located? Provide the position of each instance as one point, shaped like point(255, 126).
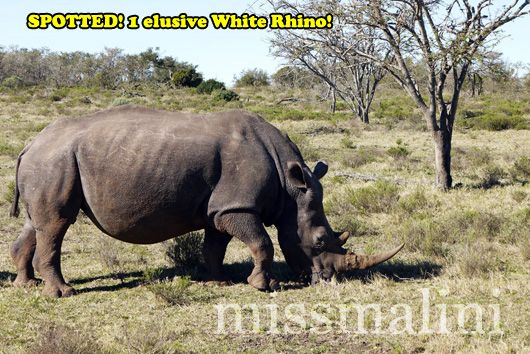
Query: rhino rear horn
point(353, 261)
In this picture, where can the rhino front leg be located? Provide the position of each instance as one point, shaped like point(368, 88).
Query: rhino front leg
point(214, 250)
point(22, 252)
point(248, 228)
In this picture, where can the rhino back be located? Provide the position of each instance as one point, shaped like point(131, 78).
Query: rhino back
point(147, 175)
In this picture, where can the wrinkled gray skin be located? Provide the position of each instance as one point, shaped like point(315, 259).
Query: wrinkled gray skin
point(144, 176)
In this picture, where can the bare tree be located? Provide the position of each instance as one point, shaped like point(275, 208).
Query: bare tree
point(443, 35)
point(488, 65)
point(353, 78)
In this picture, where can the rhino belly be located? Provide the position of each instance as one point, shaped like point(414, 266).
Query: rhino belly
point(149, 197)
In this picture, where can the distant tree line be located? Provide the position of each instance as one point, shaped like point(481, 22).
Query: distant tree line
point(107, 69)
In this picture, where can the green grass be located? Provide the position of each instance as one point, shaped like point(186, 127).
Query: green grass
point(469, 245)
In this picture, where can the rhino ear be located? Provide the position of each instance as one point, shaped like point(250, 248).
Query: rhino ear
point(321, 168)
point(295, 175)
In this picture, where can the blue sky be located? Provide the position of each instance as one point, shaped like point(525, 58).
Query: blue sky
point(220, 54)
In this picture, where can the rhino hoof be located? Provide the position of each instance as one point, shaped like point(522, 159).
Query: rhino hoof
point(274, 285)
point(25, 282)
point(263, 282)
point(56, 292)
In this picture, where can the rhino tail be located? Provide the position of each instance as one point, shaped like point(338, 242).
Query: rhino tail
point(15, 211)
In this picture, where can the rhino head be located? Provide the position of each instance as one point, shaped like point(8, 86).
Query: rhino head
point(309, 244)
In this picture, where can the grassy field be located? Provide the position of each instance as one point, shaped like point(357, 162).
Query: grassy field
point(467, 246)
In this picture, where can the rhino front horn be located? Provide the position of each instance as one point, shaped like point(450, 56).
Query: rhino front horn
point(352, 261)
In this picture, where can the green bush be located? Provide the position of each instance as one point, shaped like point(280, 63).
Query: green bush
point(496, 114)
point(253, 77)
point(361, 156)
point(179, 292)
point(497, 122)
point(11, 150)
point(185, 251)
point(347, 142)
point(13, 82)
point(227, 95)
point(59, 95)
point(398, 152)
point(186, 78)
point(377, 198)
point(424, 235)
point(414, 202)
point(520, 171)
point(174, 293)
point(394, 108)
point(120, 101)
point(309, 152)
point(209, 86)
point(9, 194)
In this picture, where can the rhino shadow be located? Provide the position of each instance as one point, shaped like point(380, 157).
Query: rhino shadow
point(397, 271)
point(7, 277)
point(120, 276)
point(237, 273)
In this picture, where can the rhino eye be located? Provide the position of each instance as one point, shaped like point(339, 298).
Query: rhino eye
point(320, 240)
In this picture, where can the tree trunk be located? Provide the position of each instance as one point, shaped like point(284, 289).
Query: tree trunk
point(333, 100)
point(362, 113)
point(365, 118)
point(442, 158)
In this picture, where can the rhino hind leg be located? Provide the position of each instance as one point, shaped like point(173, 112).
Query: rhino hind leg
point(49, 241)
point(22, 252)
point(214, 250)
point(248, 228)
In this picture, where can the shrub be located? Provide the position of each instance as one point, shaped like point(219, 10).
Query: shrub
point(59, 339)
point(520, 170)
point(149, 337)
point(252, 77)
point(477, 259)
point(227, 95)
point(414, 202)
point(398, 152)
point(377, 198)
point(496, 119)
point(58, 95)
point(120, 101)
point(351, 224)
point(11, 150)
point(361, 156)
point(492, 176)
point(174, 293)
point(108, 254)
point(519, 196)
point(472, 224)
point(209, 86)
point(179, 292)
point(308, 151)
point(188, 77)
point(347, 142)
point(524, 246)
point(391, 110)
point(13, 82)
point(185, 251)
point(9, 194)
point(424, 235)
